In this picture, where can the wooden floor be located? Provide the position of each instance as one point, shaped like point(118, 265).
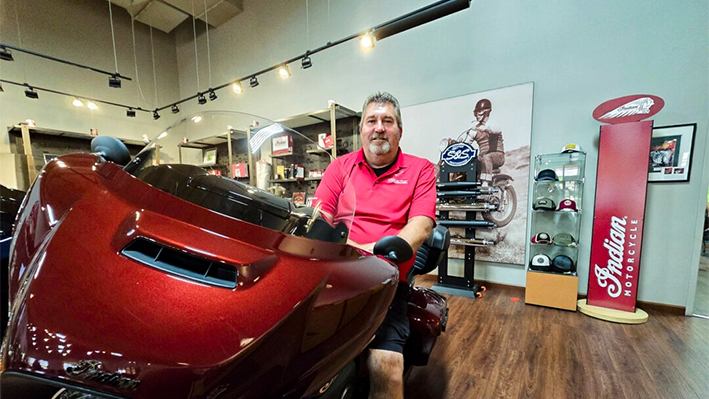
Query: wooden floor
point(497, 348)
point(701, 299)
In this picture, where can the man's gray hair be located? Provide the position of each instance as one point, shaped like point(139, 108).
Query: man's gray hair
point(382, 97)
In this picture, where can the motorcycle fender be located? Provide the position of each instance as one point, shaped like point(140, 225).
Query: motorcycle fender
point(501, 179)
point(426, 312)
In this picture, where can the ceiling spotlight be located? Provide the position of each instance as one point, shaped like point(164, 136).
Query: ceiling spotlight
point(253, 82)
point(114, 81)
point(130, 112)
point(283, 71)
point(367, 41)
point(156, 116)
point(90, 105)
point(77, 103)
point(212, 95)
point(175, 109)
point(30, 93)
point(237, 87)
point(200, 99)
point(6, 54)
point(306, 62)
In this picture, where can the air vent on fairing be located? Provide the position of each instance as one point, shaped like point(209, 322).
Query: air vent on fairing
point(181, 263)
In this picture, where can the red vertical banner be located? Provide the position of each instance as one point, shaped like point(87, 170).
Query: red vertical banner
point(621, 189)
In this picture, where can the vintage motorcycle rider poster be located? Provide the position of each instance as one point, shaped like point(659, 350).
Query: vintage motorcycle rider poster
point(499, 124)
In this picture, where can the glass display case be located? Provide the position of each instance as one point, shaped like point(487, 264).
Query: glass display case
point(557, 208)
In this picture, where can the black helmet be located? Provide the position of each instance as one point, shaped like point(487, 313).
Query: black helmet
point(483, 105)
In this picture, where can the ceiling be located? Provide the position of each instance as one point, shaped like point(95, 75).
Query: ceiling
point(165, 15)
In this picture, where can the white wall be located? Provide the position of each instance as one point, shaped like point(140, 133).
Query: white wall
point(577, 53)
point(80, 31)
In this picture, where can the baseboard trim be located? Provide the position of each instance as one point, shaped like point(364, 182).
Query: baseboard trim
point(489, 284)
point(651, 306)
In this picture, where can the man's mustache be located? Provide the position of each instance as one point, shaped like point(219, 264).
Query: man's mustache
point(380, 136)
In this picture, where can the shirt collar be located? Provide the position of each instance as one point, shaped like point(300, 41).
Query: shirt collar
point(399, 163)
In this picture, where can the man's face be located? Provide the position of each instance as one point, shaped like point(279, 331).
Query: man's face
point(481, 115)
point(380, 131)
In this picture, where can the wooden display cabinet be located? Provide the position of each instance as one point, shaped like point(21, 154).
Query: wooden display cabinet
point(551, 290)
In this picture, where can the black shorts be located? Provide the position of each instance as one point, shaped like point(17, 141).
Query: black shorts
point(394, 331)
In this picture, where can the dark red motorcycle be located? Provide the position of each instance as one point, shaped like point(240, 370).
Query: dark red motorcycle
point(158, 279)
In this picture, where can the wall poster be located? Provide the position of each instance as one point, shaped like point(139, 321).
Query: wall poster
point(505, 113)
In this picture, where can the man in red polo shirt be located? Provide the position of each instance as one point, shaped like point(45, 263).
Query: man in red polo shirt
point(395, 195)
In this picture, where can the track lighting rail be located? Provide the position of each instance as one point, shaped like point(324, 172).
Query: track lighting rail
point(405, 22)
point(28, 86)
point(112, 74)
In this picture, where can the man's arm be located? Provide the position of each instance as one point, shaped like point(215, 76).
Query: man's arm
point(416, 231)
point(328, 191)
point(423, 209)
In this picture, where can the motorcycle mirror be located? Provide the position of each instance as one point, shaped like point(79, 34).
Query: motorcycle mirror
point(394, 248)
point(111, 149)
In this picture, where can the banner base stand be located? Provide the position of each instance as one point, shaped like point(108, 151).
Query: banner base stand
point(612, 315)
point(475, 292)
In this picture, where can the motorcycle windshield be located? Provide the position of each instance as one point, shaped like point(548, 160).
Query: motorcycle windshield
point(249, 168)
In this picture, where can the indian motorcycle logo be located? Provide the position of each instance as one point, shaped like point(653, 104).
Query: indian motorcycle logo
point(89, 370)
point(628, 109)
point(610, 277)
point(639, 106)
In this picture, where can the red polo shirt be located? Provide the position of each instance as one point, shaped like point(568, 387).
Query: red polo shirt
point(384, 204)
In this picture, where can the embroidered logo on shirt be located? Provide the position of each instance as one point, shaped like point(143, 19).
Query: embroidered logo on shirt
point(396, 181)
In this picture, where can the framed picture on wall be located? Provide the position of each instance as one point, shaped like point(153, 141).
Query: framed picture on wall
point(209, 156)
point(671, 153)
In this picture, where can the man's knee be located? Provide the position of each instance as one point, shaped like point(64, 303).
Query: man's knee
point(386, 374)
point(485, 164)
point(385, 365)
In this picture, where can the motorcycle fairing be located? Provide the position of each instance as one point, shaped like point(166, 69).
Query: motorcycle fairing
point(289, 324)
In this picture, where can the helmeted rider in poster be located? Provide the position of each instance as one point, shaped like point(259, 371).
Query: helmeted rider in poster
point(487, 135)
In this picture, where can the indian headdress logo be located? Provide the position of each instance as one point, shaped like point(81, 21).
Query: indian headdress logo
point(628, 109)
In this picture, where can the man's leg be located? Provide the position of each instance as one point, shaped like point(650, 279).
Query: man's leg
point(497, 159)
point(485, 170)
point(386, 360)
point(386, 374)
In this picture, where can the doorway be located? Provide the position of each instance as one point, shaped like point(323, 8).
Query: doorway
point(701, 298)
